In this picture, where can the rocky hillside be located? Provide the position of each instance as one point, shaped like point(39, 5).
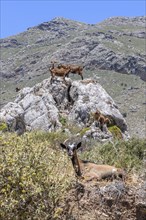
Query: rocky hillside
point(112, 50)
point(115, 44)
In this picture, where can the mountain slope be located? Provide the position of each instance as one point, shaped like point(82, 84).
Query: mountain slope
point(103, 46)
point(114, 45)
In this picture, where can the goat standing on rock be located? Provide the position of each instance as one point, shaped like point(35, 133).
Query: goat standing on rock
point(101, 119)
point(73, 69)
point(55, 71)
point(90, 171)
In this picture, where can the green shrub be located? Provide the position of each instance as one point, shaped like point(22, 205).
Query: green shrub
point(63, 120)
point(116, 132)
point(34, 177)
point(3, 127)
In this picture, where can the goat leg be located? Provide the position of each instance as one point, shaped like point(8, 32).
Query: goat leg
point(81, 76)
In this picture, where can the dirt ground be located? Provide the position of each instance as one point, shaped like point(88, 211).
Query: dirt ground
point(106, 201)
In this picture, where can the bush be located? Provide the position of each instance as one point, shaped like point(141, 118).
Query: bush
point(116, 132)
point(34, 177)
point(3, 127)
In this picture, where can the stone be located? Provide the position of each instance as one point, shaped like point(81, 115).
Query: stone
point(40, 107)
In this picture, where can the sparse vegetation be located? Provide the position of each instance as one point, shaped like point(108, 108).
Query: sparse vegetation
point(35, 174)
point(63, 120)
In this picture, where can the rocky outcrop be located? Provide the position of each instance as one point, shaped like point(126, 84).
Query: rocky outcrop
point(138, 34)
point(88, 96)
point(125, 21)
point(40, 107)
point(10, 43)
point(13, 115)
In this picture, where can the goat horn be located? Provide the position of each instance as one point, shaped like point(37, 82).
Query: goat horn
point(66, 141)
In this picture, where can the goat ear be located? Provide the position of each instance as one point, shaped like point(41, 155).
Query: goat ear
point(63, 145)
point(79, 145)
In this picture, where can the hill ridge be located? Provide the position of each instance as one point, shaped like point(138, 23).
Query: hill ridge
point(111, 48)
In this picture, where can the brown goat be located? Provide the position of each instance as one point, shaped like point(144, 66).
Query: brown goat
point(55, 71)
point(73, 69)
point(101, 119)
point(88, 170)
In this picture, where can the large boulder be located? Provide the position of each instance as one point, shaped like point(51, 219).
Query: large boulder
point(13, 115)
point(40, 107)
point(88, 96)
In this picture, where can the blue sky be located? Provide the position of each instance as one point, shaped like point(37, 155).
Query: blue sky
point(18, 15)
